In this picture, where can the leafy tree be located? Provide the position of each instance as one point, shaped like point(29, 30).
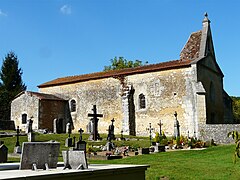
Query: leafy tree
point(10, 84)
point(236, 136)
point(236, 108)
point(121, 63)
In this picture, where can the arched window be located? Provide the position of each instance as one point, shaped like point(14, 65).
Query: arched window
point(73, 105)
point(24, 118)
point(142, 101)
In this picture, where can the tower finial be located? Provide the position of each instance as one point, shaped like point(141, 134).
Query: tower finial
point(206, 18)
point(206, 14)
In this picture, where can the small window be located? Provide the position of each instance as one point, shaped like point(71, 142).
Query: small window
point(73, 105)
point(24, 118)
point(142, 101)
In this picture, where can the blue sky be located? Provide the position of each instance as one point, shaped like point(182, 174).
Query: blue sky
point(57, 38)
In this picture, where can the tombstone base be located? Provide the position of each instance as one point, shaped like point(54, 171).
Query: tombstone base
point(17, 150)
point(68, 142)
point(74, 159)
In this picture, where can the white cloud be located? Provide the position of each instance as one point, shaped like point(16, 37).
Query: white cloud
point(66, 9)
point(2, 13)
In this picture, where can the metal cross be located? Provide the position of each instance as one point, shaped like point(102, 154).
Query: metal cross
point(18, 131)
point(150, 133)
point(160, 128)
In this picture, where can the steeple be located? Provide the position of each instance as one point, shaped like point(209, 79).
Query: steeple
point(206, 45)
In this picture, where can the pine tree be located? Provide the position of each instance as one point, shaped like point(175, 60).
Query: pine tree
point(10, 84)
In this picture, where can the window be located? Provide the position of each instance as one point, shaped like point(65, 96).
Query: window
point(24, 118)
point(73, 105)
point(142, 101)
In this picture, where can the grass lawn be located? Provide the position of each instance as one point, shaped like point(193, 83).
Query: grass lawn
point(212, 163)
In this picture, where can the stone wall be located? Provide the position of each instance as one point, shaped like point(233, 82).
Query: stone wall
point(218, 132)
point(25, 104)
point(165, 92)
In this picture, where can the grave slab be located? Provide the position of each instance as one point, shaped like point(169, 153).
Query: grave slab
point(39, 153)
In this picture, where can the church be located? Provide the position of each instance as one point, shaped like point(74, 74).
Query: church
point(191, 87)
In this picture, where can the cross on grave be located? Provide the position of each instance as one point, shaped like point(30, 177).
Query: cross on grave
point(160, 128)
point(111, 135)
point(94, 119)
point(81, 145)
point(81, 132)
point(176, 126)
point(150, 133)
point(18, 131)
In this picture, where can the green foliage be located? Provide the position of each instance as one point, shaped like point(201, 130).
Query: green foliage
point(236, 108)
point(121, 63)
point(10, 84)
point(236, 136)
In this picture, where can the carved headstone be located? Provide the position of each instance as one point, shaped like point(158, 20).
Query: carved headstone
point(39, 154)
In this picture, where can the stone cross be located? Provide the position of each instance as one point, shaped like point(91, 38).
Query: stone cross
point(176, 126)
point(81, 132)
point(94, 120)
point(150, 133)
point(160, 128)
point(17, 142)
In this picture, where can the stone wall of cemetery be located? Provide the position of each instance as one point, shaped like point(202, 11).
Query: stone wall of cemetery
point(218, 132)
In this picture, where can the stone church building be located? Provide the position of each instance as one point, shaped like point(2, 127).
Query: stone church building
point(191, 86)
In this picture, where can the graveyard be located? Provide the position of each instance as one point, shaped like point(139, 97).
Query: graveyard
point(214, 162)
point(52, 155)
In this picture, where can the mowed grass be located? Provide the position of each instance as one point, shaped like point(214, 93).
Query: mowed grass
point(212, 163)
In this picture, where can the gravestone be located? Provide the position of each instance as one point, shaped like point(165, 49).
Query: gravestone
point(17, 148)
point(58, 125)
point(81, 145)
point(74, 159)
point(68, 141)
point(94, 134)
point(29, 131)
point(176, 126)
point(111, 135)
point(3, 153)
point(39, 155)
point(145, 150)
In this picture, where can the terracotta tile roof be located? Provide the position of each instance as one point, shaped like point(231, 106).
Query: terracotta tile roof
point(42, 96)
point(115, 73)
point(192, 47)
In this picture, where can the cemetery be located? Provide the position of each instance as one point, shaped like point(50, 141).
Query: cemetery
point(50, 155)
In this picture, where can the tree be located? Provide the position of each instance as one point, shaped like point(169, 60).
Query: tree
point(236, 136)
point(10, 84)
point(121, 63)
point(236, 108)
